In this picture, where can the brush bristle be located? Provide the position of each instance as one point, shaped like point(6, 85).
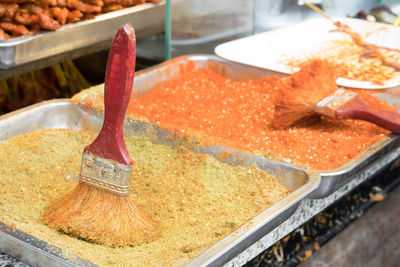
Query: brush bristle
point(100, 217)
point(300, 92)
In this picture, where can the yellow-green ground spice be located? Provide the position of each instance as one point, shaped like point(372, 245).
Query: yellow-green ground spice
point(195, 199)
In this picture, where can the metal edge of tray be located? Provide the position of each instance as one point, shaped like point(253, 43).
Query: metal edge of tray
point(63, 114)
point(34, 251)
point(145, 18)
point(331, 180)
point(375, 158)
point(16, 243)
point(253, 230)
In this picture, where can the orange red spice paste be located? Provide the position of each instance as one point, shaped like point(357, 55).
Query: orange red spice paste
point(238, 114)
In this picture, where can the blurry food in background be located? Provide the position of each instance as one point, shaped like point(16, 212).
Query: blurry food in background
point(59, 81)
point(354, 59)
point(198, 26)
point(345, 55)
point(24, 17)
point(341, 8)
point(379, 14)
point(388, 57)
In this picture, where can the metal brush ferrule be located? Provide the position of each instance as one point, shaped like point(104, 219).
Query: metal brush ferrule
point(330, 104)
point(106, 174)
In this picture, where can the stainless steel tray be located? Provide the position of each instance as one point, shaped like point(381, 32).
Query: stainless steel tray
point(34, 251)
point(63, 114)
point(374, 158)
point(87, 36)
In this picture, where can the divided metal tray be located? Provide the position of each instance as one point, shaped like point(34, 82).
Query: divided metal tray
point(63, 114)
point(373, 159)
point(87, 36)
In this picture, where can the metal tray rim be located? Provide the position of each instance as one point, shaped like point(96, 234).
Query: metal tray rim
point(21, 240)
point(219, 252)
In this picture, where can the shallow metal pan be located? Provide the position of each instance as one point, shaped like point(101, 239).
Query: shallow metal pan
point(374, 158)
point(87, 36)
point(35, 251)
point(63, 114)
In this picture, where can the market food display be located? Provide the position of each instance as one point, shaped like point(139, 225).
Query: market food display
point(238, 114)
point(195, 199)
point(369, 49)
point(180, 203)
point(24, 17)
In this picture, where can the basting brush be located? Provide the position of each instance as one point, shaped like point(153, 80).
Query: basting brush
point(99, 209)
point(306, 95)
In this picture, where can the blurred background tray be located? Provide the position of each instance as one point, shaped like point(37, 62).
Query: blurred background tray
point(78, 39)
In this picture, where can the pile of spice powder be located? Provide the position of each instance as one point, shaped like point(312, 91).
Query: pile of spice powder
point(238, 114)
point(195, 199)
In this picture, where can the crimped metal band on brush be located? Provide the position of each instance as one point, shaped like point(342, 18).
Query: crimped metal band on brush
point(106, 174)
point(330, 104)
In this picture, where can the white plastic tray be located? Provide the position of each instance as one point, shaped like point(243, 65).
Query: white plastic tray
point(268, 50)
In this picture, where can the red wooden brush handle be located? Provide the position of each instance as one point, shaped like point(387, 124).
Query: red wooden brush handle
point(120, 72)
point(358, 109)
